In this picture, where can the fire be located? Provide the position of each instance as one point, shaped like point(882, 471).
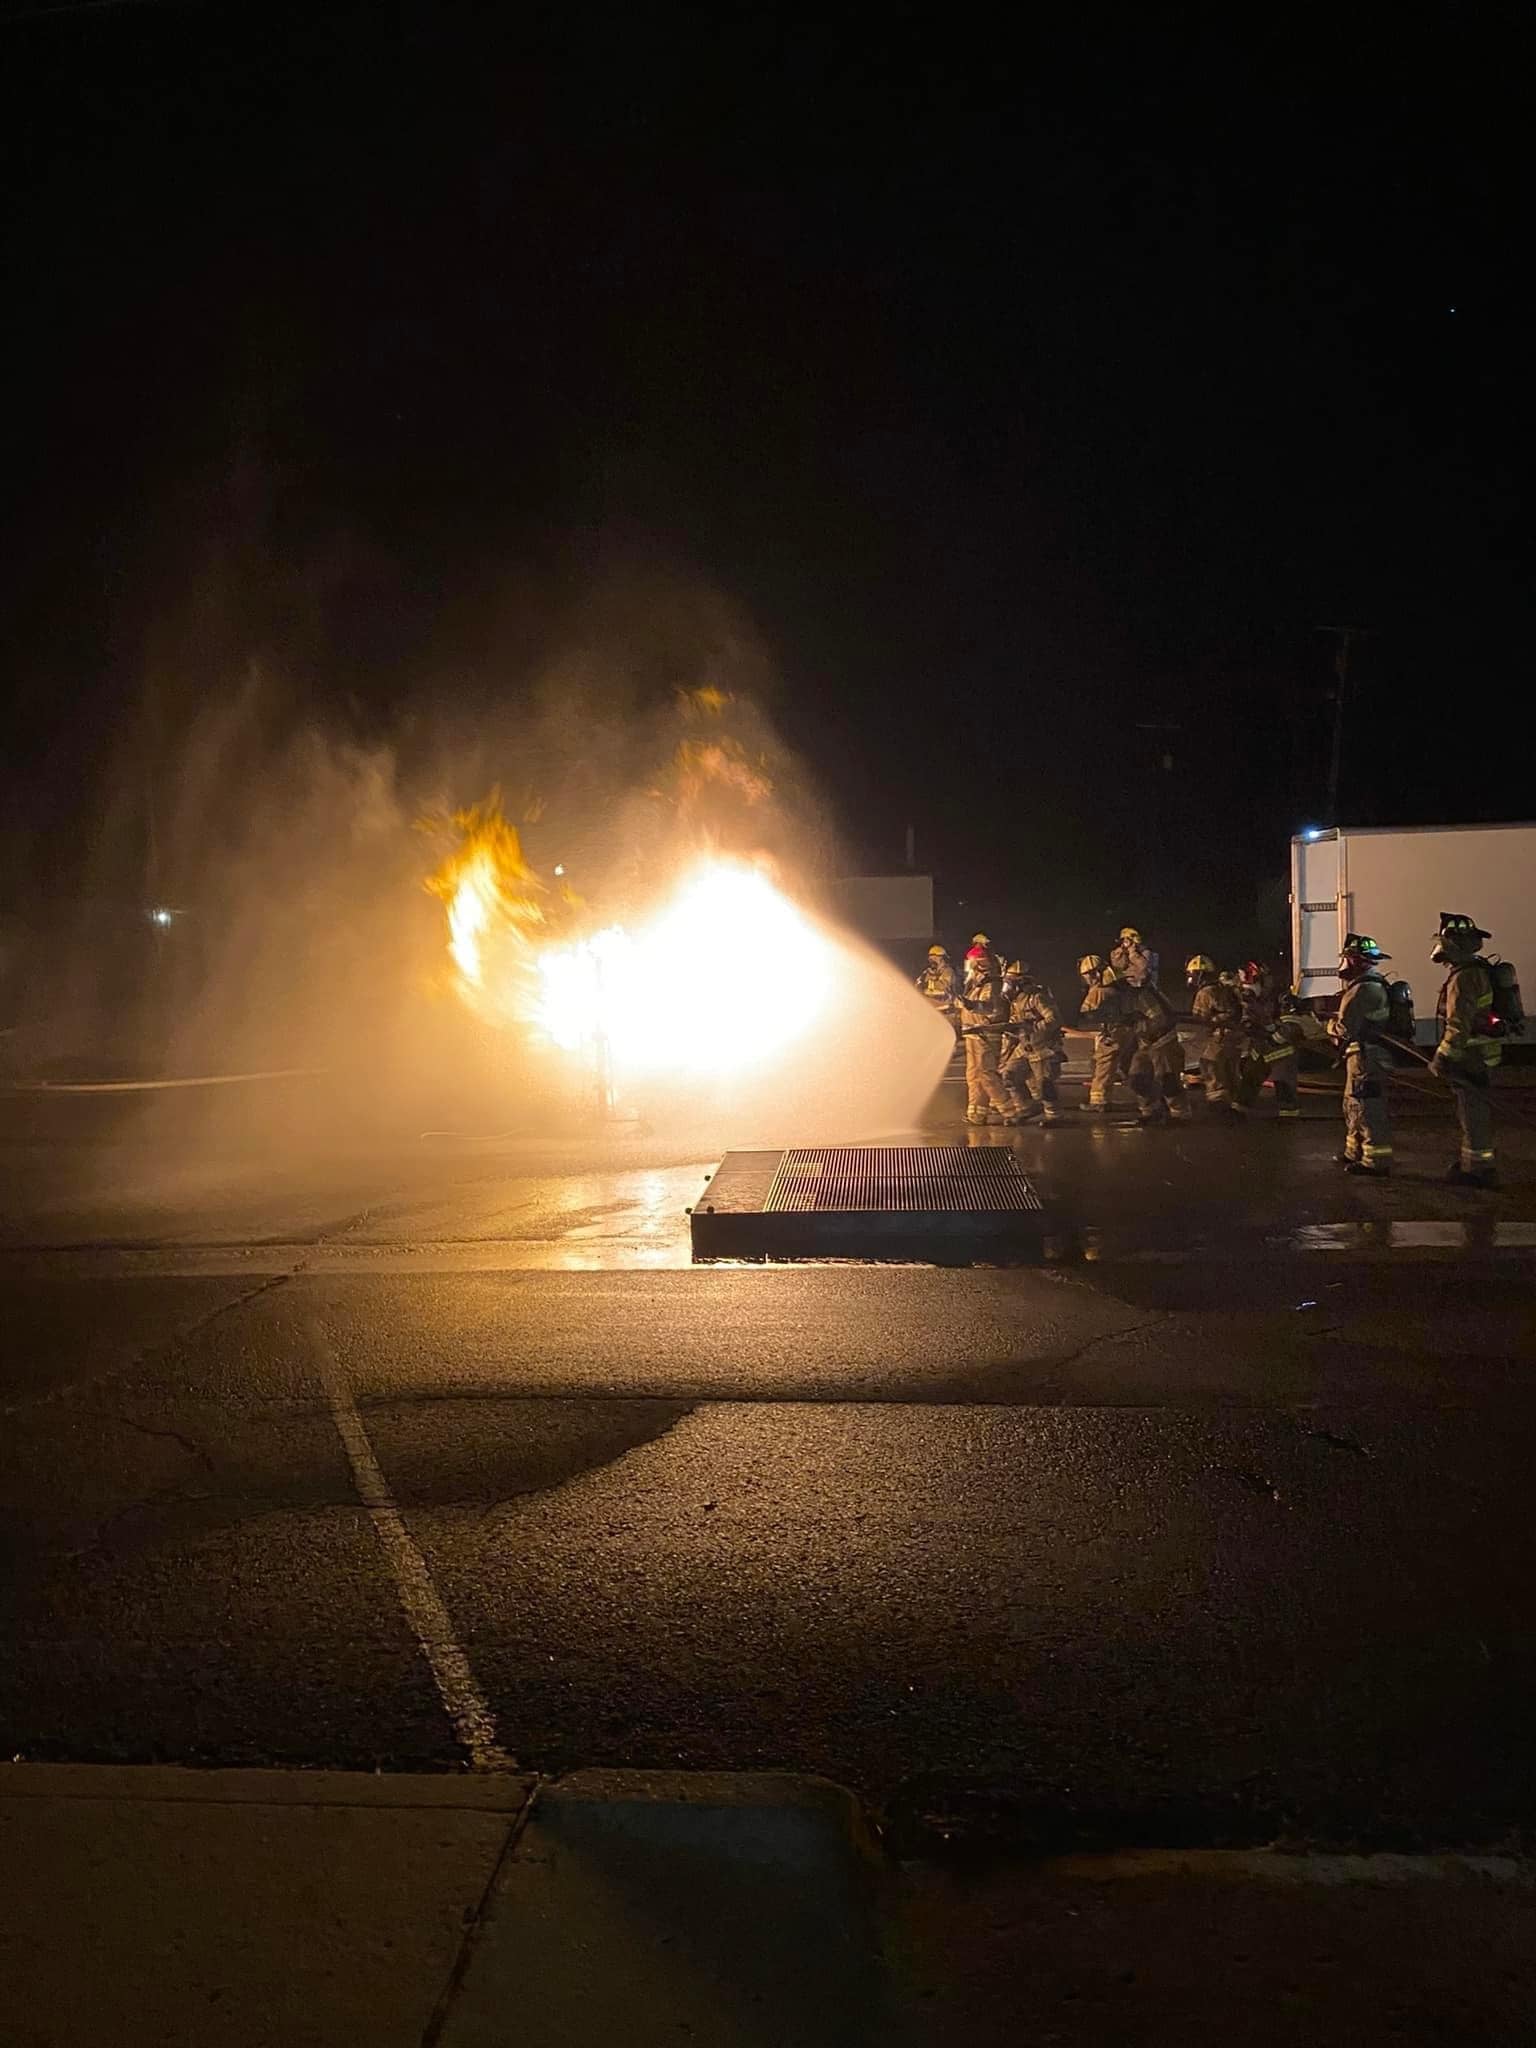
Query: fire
point(724, 977)
point(470, 910)
point(495, 908)
point(727, 975)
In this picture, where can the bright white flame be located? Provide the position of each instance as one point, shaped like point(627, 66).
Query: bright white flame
point(470, 913)
point(727, 974)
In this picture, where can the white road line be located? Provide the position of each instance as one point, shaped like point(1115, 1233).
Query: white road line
point(473, 1722)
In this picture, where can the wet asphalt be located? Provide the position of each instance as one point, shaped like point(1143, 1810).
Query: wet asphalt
point(1214, 1528)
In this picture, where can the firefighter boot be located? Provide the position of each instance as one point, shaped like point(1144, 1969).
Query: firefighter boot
point(1461, 1176)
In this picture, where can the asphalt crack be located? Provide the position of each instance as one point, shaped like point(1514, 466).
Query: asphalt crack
point(175, 1436)
point(1110, 1337)
point(1338, 1443)
point(195, 1328)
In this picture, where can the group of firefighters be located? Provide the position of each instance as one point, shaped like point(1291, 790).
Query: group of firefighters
point(1248, 1030)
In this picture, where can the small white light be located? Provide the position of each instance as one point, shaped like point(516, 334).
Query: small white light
point(559, 867)
point(1313, 832)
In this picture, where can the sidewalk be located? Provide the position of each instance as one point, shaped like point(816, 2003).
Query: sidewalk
point(279, 1909)
point(227, 1909)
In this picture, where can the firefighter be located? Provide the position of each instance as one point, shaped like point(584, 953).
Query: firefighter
point(1033, 1055)
point(1104, 1009)
point(1218, 1012)
point(1132, 960)
point(1469, 1048)
point(1364, 1009)
point(1157, 1057)
point(1270, 1040)
point(936, 983)
point(983, 1012)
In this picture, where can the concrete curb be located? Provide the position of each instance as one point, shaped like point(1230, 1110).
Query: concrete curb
point(182, 1784)
point(650, 1907)
point(241, 1908)
point(157, 1904)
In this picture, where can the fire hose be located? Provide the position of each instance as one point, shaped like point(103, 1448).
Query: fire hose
point(1427, 1060)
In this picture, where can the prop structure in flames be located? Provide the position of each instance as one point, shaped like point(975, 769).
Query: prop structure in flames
point(719, 992)
point(723, 974)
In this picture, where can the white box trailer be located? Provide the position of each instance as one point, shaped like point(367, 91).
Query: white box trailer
point(1393, 882)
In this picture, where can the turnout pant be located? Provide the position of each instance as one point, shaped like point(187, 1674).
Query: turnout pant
point(1157, 1077)
point(1472, 1093)
point(1029, 1071)
point(1109, 1048)
point(1367, 1119)
point(1274, 1061)
point(985, 1087)
point(1220, 1069)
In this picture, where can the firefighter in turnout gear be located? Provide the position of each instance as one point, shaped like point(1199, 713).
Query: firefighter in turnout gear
point(1269, 1051)
point(1132, 960)
point(1157, 1058)
point(936, 983)
point(983, 1010)
point(1032, 1054)
point(1105, 1011)
point(1218, 1011)
point(1469, 1027)
point(1364, 1009)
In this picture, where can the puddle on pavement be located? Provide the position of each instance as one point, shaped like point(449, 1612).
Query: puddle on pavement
point(1436, 1234)
point(1476, 1233)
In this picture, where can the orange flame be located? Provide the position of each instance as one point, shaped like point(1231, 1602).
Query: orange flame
point(494, 905)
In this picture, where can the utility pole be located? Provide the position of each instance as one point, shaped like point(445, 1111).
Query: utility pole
point(1346, 637)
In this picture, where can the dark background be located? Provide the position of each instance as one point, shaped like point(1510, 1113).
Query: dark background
point(1031, 391)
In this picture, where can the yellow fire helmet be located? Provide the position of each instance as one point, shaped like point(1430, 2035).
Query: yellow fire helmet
point(937, 953)
point(1129, 931)
point(1017, 969)
point(1091, 963)
point(1200, 963)
point(980, 939)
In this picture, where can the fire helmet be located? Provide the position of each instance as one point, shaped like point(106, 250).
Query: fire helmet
point(1018, 970)
point(1129, 932)
point(1458, 937)
point(978, 956)
point(1251, 970)
point(1359, 953)
point(1200, 963)
point(1091, 963)
point(937, 953)
point(980, 939)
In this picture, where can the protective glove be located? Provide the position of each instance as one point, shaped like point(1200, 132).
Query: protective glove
point(1441, 1067)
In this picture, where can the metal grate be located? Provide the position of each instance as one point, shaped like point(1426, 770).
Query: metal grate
point(900, 1179)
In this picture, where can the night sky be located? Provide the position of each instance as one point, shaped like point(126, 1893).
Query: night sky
point(1027, 388)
